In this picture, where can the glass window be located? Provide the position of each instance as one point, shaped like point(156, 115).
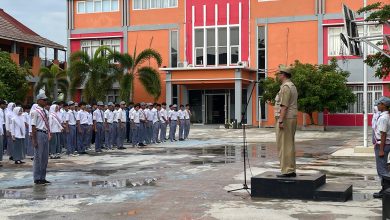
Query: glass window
point(98, 5)
point(199, 56)
point(211, 55)
point(210, 37)
point(174, 48)
point(374, 92)
point(234, 36)
point(172, 3)
point(261, 37)
point(199, 42)
point(89, 6)
point(222, 46)
point(80, 7)
point(114, 5)
point(261, 60)
point(222, 37)
point(137, 4)
point(106, 5)
point(211, 49)
point(222, 55)
point(154, 3)
point(234, 54)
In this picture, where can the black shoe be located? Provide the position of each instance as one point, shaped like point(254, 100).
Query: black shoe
point(287, 175)
point(83, 153)
point(378, 195)
point(39, 182)
point(11, 158)
point(18, 162)
point(181, 139)
point(46, 182)
point(142, 145)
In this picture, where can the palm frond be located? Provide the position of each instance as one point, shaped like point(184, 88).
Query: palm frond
point(150, 79)
point(126, 85)
point(102, 50)
point(146, 55)
point(79, 56)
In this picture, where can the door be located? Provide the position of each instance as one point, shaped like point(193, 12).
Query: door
point(216, 108)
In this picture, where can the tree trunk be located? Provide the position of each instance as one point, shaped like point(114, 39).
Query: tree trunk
point(55, 92)
point(311, 118)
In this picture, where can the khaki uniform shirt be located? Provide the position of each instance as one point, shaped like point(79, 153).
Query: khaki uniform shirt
point(277, 106)
point(289, 97)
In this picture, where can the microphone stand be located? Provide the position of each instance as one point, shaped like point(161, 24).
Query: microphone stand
point(244, 142)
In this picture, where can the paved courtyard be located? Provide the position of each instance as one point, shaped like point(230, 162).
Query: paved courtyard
point(189, 180)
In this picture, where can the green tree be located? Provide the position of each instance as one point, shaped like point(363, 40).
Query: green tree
point(54, 81)
point(13, 79)
point(95, 75)
point(134, 68)
point(379, 12)
point(319, 87)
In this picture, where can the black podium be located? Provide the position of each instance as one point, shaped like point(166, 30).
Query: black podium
point(304, 186)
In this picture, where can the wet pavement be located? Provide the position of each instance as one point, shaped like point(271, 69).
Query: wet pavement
point(190, 180)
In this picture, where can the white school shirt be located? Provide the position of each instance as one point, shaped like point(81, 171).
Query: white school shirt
point(1, 121)
point(142, 115)
point(71, 117)
point(163, 114)
point(181, 114)
point(98, 115)
point(186, 114)
point(90, 118)
point(149, 115)
point(38, 118)
point(27, 119)
point(155, 115)
point(383, 125)
point(116, 115)
point(174, 115)
point(135, 116)
point(54, 123)
point(18, 127)
point(123, 115)
point(82, 116)
point(109, 115)
point(63, 115)
point(376, 114)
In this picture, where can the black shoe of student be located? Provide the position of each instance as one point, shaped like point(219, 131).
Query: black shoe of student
point(83, 153)
point(181, 139)
point(287, 175)
point(174, 139)
point(46, 182)
point(142, 145)
point(121, 148)
point(39, 182)
point(11, 158)
point(378, 195)
point(18, 162)
point(32, 158)
point(1, 165)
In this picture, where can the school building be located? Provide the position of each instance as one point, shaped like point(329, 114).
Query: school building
point(214, 51)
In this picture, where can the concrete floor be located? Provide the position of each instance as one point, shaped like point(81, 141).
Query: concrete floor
point(189, 180)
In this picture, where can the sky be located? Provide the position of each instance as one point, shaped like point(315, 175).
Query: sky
point(45, 17)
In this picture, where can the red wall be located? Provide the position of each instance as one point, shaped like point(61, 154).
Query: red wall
point(75, 44)
point(222, 20)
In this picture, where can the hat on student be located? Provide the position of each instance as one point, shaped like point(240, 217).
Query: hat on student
point(175, 106)
point(122, 103)
point(100, 103)
point(150, 104)
point(70, 103)
point(385, 100)
point(142, 103)
point(54, 102)
point(110, 103)
point(76, 104)
point(376, 102)
point(41, 96)
point(285, 69)
point(88, 106)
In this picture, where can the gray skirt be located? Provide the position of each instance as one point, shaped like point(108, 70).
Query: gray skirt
point(18, 148)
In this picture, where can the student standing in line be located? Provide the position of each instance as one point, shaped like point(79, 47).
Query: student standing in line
point(82, 128)
point(187, 119)
point(156, 122)
point(181, 116)
point(90, 125)
point(163, 122)
point(28, 145)
point(135, 125)
point(109, 119)
point(121, 131)
point(9, 114)
point(56, 128)
point(71, 130)
point(143, 122)
point(173, 118)
point(18, 134)
point(149, 123)
point(2, 121)
point(98, 120)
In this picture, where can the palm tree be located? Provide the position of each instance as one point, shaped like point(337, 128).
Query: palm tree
point(95, 75)
point(54, 81)
point(133, 67)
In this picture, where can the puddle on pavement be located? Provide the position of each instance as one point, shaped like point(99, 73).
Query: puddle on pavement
point(123, 183)
point(102, 172)
point(37, 195)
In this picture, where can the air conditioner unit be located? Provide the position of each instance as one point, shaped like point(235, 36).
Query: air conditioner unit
point(182, 64)
point(190, 65)
point(243, 63)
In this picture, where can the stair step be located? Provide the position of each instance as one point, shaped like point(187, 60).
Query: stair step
point(333, 192)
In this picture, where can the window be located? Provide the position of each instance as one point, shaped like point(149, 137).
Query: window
point(95, 6)
point(175, 94)
point(234, 45)
point(80, 7)
point(211, 46)
point(222, 46)
point(174, 48)
point(199, 46)
point(337, 48)
point(374, 92)
point(261, 57)
point(112, 96)
point(154, 4)
point(90, 46)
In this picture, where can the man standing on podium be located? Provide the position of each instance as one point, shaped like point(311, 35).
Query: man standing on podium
point(286, 123)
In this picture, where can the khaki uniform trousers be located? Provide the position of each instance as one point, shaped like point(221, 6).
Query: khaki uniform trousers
point(285, 140)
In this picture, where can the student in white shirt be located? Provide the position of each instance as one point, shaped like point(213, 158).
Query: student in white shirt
point(82, 127)
point(98, 120)
point(382, 142)
point(156, 123)
point(18, 133)
point(181, 115)
point(173, 118)
point(28, 144)
point(121, 131)
point(143, 122)
point(135, 125)
point(55, 130)
point(149, 123)
point(90, 126)
point(71, 130)
point(108, 125)
point(2, 129)
point(187, 119)
point(115, 126)
point(9, 114)
point(163, 122)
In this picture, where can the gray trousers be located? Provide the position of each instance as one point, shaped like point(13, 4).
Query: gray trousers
point(29, 147)
point(381, 162)
point(181, 129)
point(142, 132)
point(10, 147)
point(54, 143)
point(114, 134)
point(156, 129)
point(41, 156)
point(99, 136)
point(172, 130)
point(71, 139)
point(163, 131)
point(187, 128)
point(135, 128)
point(108, 136)
point(82, 139)
point(121, 134)
point(149, 132)
point(89, 136)
point(1, 147)
point(18, 145)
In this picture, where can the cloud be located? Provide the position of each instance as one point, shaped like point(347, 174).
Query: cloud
point(45, 17)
